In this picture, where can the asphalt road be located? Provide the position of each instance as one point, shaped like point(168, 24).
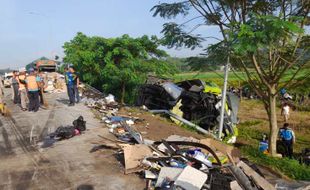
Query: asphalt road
point(66, 164)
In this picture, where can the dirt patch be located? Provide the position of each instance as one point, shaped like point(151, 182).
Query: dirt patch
point(155, 127)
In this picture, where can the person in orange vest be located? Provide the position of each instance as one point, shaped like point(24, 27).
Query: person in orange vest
point(32, 81)
point(22, 89)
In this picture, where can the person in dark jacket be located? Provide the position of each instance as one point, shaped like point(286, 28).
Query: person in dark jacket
point(76, 84)
point(287, 136)
point(71, 83)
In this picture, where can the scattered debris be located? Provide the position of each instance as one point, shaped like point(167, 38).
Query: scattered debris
point(258, 180)
point(167, 173)
point(191, 179)
point(188, 163)
point(182, 120)
point(176, 162)
point(133, 155)
point(54, 82)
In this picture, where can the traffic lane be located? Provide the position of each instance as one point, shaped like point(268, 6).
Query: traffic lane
point(22, 165)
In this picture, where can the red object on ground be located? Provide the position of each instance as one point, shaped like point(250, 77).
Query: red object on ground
point(77, 132)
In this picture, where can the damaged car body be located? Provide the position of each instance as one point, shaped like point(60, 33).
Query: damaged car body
point(193, 100)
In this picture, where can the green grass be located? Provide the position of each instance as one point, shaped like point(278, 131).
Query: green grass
point(234, 78)
point(250, 133)
point(289, 167)
point(217, 78)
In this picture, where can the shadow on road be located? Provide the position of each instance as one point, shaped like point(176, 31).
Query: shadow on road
point(85, 187)
point(63, 101)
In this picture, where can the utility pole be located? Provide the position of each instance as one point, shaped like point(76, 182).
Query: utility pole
point(223, 102)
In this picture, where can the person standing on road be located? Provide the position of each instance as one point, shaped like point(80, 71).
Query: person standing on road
point(285, 112)
point(76, 84)
point(22, 89)
point(66, 77)
point(70, 79)
point(287, 136)
point(41, 87)
point(2, 104)
point(32, 81)
point(15, 87)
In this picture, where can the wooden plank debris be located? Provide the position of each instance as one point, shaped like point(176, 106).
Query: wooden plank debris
point(259, 180)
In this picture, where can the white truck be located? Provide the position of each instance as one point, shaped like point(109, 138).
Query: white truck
point(7, 80)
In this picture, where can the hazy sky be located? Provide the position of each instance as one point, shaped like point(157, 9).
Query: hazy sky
point(30, 29)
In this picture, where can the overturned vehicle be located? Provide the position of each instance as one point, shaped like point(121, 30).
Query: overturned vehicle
point(192, 100)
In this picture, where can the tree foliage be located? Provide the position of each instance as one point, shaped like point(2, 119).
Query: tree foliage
point(263, 38)
point(116, 65)
point(198, 63)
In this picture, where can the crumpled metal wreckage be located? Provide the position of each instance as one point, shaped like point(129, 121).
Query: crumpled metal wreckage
point(192, 100)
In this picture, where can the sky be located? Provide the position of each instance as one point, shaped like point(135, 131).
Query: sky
point(30, 29)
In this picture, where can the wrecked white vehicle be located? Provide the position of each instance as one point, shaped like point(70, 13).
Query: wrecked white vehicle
point(192, 100)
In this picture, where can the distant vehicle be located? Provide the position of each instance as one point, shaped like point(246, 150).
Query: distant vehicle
point(46, 65)
point(7, 80)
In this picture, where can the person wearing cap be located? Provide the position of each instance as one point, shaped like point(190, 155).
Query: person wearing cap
point(32, 81)
point(15, 87)
point(287, 137)
point(22, 89)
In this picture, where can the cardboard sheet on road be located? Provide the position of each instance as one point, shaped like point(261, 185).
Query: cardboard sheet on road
point(167, 172)
point(133, 155)
point(191, 179)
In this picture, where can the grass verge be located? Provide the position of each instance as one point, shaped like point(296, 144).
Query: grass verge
point(288, 167)
point(249, 137)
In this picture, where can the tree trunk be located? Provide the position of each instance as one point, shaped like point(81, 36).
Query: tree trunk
point(123, 91)
point(273, 125)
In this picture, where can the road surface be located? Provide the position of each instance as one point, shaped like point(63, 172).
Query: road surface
point(66, 164)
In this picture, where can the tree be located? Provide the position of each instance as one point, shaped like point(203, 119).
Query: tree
point(263, 38)
point(116, 65)
point(202, 63)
